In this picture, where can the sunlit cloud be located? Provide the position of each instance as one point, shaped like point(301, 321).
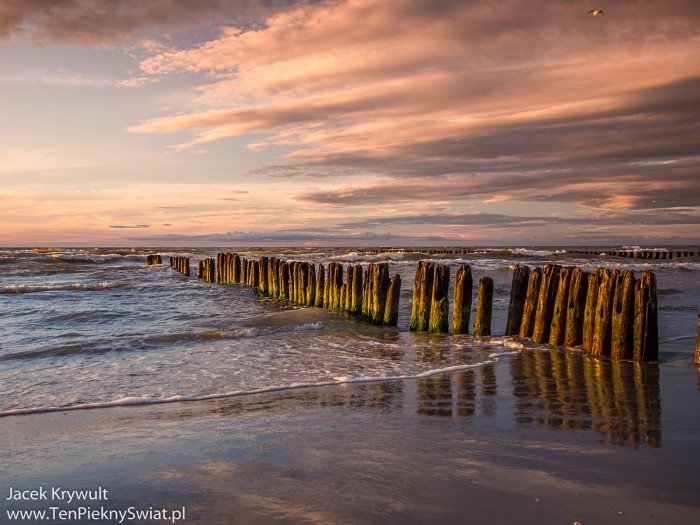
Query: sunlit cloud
point(400, 120)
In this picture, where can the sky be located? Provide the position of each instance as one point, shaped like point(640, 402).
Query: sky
point(349, 122)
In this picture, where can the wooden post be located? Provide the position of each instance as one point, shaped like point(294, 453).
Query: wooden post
point(327, 287)
point(602, 330)
point(391, 310)
point(482, 323)
point(518, 294)
point(349, 283)
point(589, 310)
point(343, 293)
point(337, 284)
point(263, 266)
point(356, 293)
point(545, 303)
point(422, 290)
point(284, 280)
point(439, 304)
point(646, 328)
point(378, 278)
point(558, 326)
point(200, 270)
point(622, 336)
point(320, 285)
point(311, 286)
point(576, 306)
point(527, 325)
point(461, 315)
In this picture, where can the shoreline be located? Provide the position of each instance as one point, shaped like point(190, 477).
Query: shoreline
point(532, 438)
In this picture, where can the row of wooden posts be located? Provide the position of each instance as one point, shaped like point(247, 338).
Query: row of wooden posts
point(430, 306)
point(181, 264)
point(640, 254)
point(154, 259)
point(372, 296)
point(606, 312)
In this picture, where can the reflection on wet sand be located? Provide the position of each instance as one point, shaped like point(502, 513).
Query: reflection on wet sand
point(456, 394)
point(384, 395)
point(560, 389)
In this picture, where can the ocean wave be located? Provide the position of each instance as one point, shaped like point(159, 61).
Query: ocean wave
point(535, 253)
point(157, 341)
point(34, 288)
point(337, 381)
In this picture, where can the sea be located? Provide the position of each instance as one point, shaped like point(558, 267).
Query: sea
point(96, 327)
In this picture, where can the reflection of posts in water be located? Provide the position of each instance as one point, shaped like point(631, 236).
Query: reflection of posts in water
point(618, 399)
point(435, 395)
point(382, 396)
point(487, 376)
point(457, 394)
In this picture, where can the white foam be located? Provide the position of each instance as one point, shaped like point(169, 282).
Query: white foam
point(32, 288)
point(337, 380)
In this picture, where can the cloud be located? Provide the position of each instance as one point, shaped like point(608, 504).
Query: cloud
point(81, 22)
point(134, 227)
point(292, 237)
point(489, 100)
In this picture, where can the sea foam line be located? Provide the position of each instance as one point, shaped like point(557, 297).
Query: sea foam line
point(130, 401)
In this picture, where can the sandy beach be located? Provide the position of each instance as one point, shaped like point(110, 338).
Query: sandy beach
point(544, 436)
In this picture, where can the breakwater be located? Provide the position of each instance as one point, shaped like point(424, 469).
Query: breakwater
point(368, 293)
point(633, 253)
point(604, 312)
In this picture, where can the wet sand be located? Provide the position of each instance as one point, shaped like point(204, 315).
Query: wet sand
point(540, 437)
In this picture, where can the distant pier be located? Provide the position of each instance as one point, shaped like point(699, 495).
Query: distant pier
point(633, 253)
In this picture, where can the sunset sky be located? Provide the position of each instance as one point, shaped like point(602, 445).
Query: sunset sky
point(349, 122)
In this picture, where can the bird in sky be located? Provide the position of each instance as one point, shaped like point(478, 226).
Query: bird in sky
point(596, 12)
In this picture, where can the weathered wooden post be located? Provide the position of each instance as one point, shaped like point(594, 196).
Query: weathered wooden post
point(378, 278)
point(527, 325)
point(576, 305)
point(622, 336)
point(422, 290)
point(602, 330)
point(589, 310)
point(200, 270)
point(255, 274)
point(391, 310)
point(336, 286)
point(320, 285)
point(311, 286)
point(263, 264)
point(646, 328)
point(545, 303)
point(244, 271)
point(439, 304)
point(356, 293)
point(284, 280)
point(462, 300)
point(482, 323)
point(219, 267)
point(558, 326)
point(518, 294)
point(349, 283)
